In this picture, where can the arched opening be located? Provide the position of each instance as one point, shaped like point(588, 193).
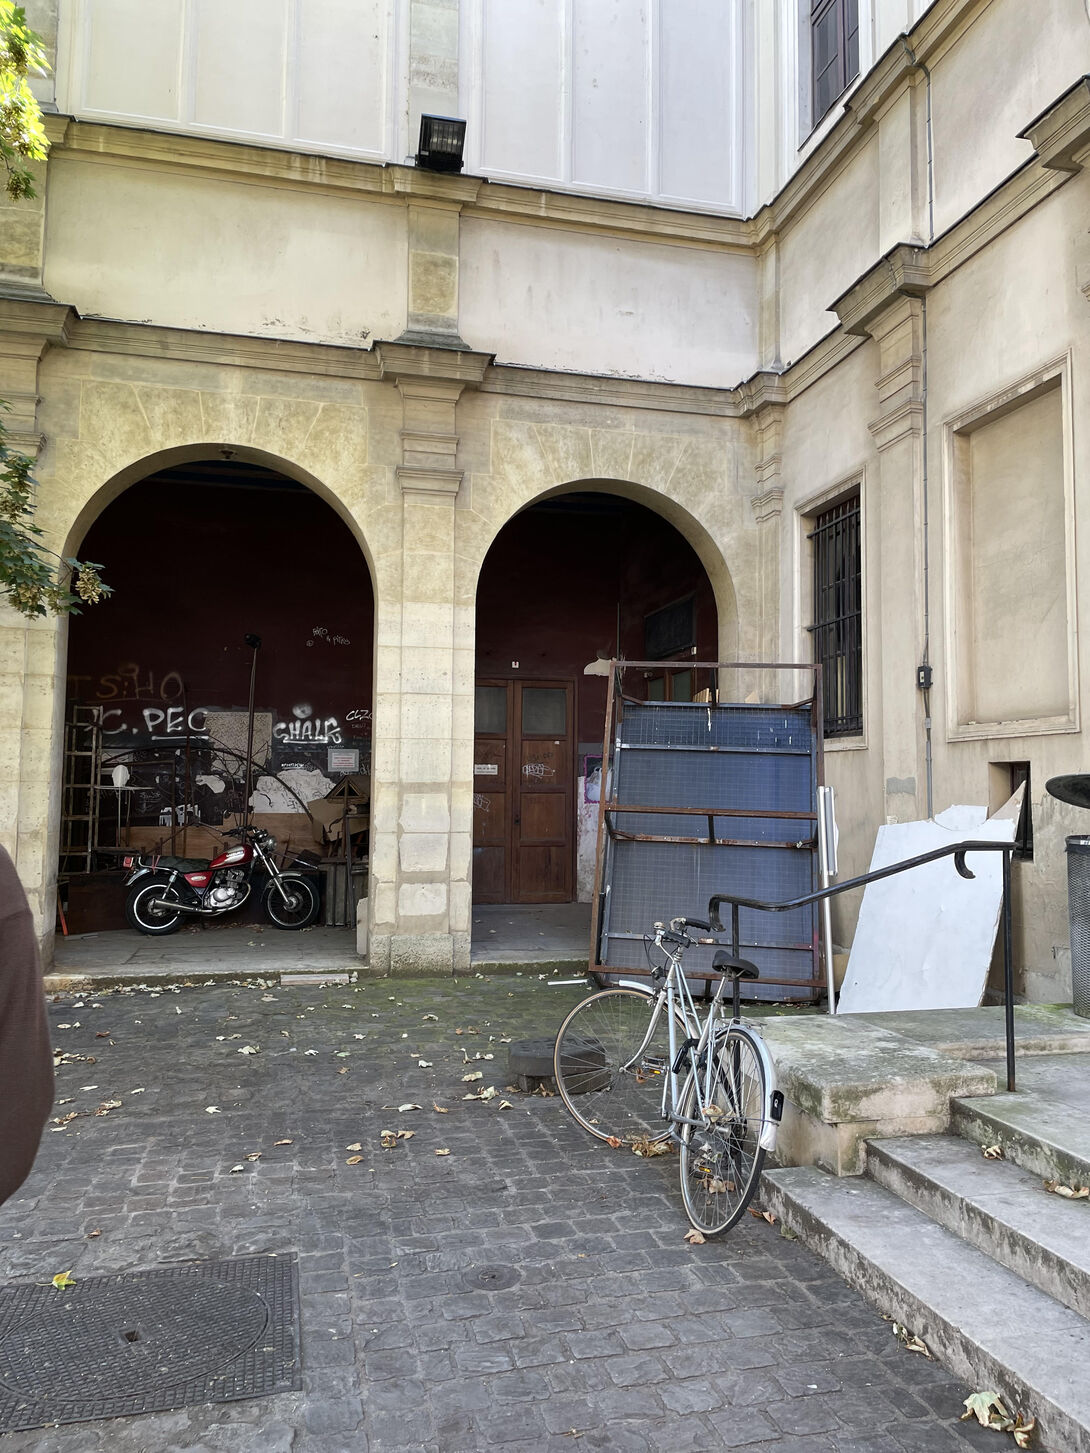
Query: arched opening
point(201, 554)
point(573, 578)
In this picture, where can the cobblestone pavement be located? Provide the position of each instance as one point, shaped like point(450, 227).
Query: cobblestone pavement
point(615, 1333)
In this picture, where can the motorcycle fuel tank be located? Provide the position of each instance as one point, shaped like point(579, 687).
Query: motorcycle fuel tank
point(233, 857)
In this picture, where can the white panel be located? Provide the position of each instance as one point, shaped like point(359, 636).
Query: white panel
point(341, 75)
point(133, 57)
point(522, 88)
point(610, 93)
point(238, 53)
point(698, 117)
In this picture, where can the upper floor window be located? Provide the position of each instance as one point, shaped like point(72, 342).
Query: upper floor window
point(834, 52)
point(838, 615)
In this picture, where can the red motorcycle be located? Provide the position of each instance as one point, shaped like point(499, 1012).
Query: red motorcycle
point(166, 890)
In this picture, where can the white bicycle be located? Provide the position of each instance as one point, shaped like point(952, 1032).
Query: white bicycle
point(636, 1057)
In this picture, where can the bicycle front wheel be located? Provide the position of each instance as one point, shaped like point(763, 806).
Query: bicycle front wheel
point(721, 1157)
point(608, 1077)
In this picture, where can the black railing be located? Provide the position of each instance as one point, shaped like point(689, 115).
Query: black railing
point(957, 851)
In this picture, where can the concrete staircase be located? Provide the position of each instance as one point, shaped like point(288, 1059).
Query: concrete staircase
point(972, 1254)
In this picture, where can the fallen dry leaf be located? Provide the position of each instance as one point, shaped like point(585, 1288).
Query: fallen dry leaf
point(63, 1279)
point(644, 1145)
point(991, 1412)
point(212, 1110)
point(910, 1341)
point(505, 1105)
point(762, 1215)
point(405, 1134)
point(439, 1109)
point(353, 1160)
point(476, 1075)
point(614, 1142)
point(283, 1142)
point(388, 1139)
point(1069, 1193)
point(403, 1108)
point(354, 1146)
point(693, 1237)
point(92, 1234)
point(236, 1168)
point(434, 1017)
point(254, 1155)
point(992, 1152)
point(442, 1152)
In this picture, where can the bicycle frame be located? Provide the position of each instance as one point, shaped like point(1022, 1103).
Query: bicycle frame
point(676, 997)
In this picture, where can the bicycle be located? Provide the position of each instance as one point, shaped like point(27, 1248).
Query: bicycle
point(619, 1063)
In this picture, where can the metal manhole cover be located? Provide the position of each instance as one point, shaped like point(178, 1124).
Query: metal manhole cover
point(148, 1341)
point(492, 1278)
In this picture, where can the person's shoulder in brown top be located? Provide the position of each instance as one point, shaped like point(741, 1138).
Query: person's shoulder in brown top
point(26, 1060)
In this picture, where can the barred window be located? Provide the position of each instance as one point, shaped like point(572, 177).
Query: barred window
point(838, 615)
point(834, 52)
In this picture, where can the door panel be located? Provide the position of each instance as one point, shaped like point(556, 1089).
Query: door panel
point(491, 804)
point(542, 829)
point(523, 828)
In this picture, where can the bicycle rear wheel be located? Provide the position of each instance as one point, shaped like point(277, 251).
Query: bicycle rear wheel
point(612, 1091)
point(721, 1158)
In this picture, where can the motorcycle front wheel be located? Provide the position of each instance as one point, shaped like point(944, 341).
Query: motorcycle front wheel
point(145, 917)
point(298, 909)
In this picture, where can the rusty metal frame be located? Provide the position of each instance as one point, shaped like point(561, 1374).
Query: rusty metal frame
point(609, 811)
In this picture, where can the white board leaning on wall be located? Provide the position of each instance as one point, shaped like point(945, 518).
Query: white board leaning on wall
point(924, 938)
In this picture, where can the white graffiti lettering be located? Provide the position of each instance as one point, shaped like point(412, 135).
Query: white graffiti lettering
point(538, 770)
point(358, 713)
point(320, 633)
point(314, 729)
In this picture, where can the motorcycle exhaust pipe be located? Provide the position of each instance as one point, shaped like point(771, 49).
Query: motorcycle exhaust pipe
point(169, 905)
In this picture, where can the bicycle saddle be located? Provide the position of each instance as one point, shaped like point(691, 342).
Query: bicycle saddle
point(735, 968)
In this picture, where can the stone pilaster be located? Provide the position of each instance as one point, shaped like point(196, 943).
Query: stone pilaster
point(423, 707)
point(764, 400)
point(888, 305)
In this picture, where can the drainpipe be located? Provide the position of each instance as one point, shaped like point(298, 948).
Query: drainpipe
point(924, 677)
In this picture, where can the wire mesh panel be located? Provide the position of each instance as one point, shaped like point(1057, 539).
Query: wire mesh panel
point(705, 797)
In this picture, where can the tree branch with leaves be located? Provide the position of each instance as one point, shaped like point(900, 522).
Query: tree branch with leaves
point(22, 136)
point(34, 579)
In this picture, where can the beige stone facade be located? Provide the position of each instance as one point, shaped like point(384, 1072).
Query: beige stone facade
point(909, 314)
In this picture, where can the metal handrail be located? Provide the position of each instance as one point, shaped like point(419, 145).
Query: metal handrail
point(955, 850)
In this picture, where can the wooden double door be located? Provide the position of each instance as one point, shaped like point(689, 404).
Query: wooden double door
point(523, 784)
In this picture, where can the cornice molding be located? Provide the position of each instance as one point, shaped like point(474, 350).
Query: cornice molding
point(1062, 132)
point(634, 393)
point(903, 272)
point(439, 366)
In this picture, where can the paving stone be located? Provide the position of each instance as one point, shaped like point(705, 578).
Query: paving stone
point(614, 1327)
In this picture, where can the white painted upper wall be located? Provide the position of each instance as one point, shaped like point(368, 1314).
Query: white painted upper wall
point(311, 75)
point(562, 299)
point(628, 98)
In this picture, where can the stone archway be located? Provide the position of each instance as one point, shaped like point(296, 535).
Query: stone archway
point(576, 577)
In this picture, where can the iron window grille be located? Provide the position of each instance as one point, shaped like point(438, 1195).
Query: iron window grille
point(834, 52)
point(838, 615)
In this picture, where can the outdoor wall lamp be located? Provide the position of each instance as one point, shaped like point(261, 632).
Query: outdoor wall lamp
point(442, 140)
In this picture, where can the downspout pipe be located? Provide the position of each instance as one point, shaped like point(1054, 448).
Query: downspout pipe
point(919, 65)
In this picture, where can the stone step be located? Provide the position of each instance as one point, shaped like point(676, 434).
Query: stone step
point(988, 1326)
point(1042, 1135)
point(997, 1207)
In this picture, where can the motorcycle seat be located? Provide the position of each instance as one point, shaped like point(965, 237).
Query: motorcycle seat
point(184, 865)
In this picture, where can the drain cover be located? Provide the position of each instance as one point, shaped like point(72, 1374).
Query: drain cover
point(492, 1278)
point(148, 1341)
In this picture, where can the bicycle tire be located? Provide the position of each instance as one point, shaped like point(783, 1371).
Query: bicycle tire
point(593, 1046)
point(721, 1158)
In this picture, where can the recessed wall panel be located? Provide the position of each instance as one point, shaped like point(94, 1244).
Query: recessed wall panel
point(697, 100)
point(132, 53)
point(239, 65)
point(522, 101)
point(342, 88)
point(610, 68)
